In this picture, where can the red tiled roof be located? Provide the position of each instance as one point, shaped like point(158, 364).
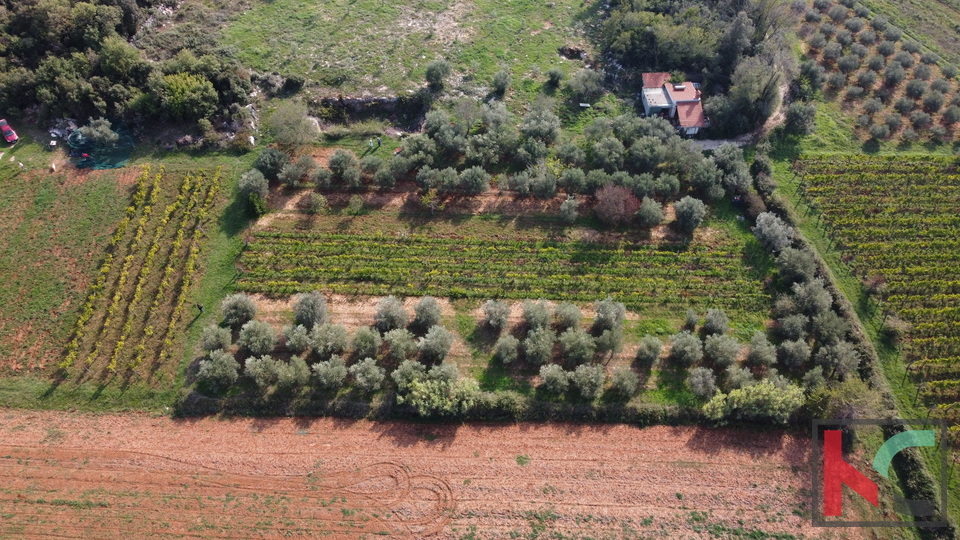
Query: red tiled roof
point(685, 92)
point(655, 80)
point(690, 114)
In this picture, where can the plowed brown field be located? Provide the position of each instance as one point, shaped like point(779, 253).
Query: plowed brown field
point(70, 475)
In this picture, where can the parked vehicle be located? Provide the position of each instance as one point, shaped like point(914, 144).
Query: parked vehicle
point(8, 133)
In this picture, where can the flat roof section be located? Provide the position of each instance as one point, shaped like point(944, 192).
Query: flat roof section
point(654, 80)
point(683, 91)
point(656, 97)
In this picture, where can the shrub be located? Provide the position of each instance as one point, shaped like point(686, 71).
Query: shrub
point(436, 72)
point(920, 119)
point(876, 62)
point(813, 379)
point(576, 346)
point(650, 213)
point(866, 80)
point(615, 205)
point(536, 314)
point(872, 106)
point(879, 131)
point(218, 370)
point(331, 373)
point(215, 337)
point(840, 359)
point(293, 373)
point(262, 370)
point(253, 181)
point(366, 342)
point(501, 80)
point(367, 375)
point(400, 344)
point(832, 51)
point(951, 115)
point(270, 162)
point(893, 75)
point(686, 349)
point(722, 350)
point(495, 314)
point(940, 85)
point(567, 316)
point(297, 338)
point(568, 208)
point(737, 377)
point(690, 213)
point(435, 346)
point(585, 85)
point(794, 354)
point(837, 13)
point(716, 322)
point(759, 402)
point(407, 372)
point(915, 89)
point(812, 297)
point(237, 309)
point(772, 232)
point(506, 349)
point(796, 265)
point(554, 379)
point(554, 76)
point(426, 313)
point(894, 329)
point(761, 353)
point(258, 337)
point(310, 309)
point(648, 352)
point(933, 101)
point(390, 314)
point(624, 383)
point(316, 203)
point(588, 380)
point(538, 346)
point(702, 382)
point(848, 63)
point(329, 340)
point(855, 24)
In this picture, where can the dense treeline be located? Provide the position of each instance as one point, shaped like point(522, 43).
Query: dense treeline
point(738, 47)
point(74, 59)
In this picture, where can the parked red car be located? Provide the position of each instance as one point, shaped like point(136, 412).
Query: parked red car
point(8, 133)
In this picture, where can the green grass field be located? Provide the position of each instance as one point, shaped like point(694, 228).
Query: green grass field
point(384, 47)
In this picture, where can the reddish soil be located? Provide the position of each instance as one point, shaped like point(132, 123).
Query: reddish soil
point(105, 476)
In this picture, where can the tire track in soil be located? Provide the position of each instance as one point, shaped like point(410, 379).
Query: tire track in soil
point(413, 506)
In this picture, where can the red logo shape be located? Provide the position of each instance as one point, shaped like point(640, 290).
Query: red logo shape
point(836, 472)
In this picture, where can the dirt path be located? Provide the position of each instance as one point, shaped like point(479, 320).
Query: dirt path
point(70, 474)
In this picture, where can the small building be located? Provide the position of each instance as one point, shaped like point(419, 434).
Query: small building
point(677, 102)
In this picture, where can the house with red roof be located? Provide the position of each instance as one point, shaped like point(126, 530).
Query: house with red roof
point(677, 102)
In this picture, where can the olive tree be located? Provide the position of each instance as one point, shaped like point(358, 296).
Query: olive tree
point(426, 313)
point(390, 314)
point(330, 373)
point(237, 309)
point(610, 315)
point(218, 370)
point(841, 359)
point(772, 232)
point(215, 337)
point(400, 344)
point(690, 213)
point(702, 382)
point(536, 314)
point(538, 345)
point(721, 349)
point(329, 339)
point(649, 351)
point(436, 72)
point(310, 309)
point(762, 352)
point(292, 374)
point(568, 208)
point(554, 379)
point(686, 349)
point(793, 354)
point(367, 375)
point(650, 213)
point(252, 182)
point(796, 265)
point(588, 380)
point(258, 337)
point(505, 349)
point(576, 346)
point(495, 314)
point(716, 322)
point(366, 342)
point(624, 382)
point(297, 338)
point(435, 345)
point(567, 315)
